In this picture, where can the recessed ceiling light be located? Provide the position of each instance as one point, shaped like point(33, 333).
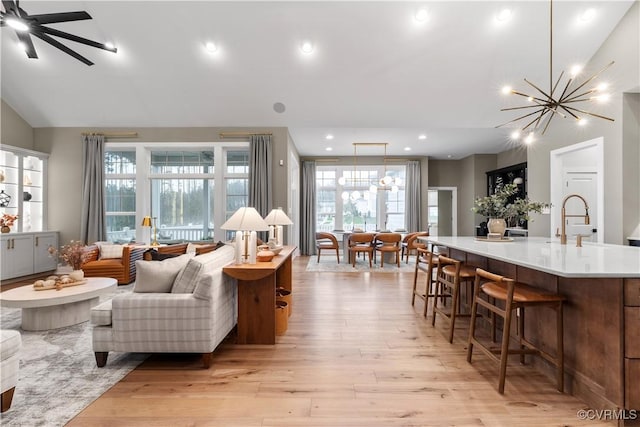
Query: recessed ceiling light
point(17, 24)
point(422, 136)
point(329, 149)
point(588, 15)
point(407, 148)
point(504, 15)
point(211, 47)
point(449, 156)
point(422, 14)
point(306, 47)
point(329, 136)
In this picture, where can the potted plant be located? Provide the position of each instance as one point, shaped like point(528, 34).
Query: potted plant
point(494, 207)
point(517, 213)
point(502, 210)
point(74, 255)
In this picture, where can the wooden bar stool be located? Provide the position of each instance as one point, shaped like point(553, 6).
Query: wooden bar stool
point(425, 261)
point(514, 296)
point(450, 275)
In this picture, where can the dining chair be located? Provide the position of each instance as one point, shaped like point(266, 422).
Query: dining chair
point(327, 241)
point(388, 243)
point(361, 243)
point(411, 243)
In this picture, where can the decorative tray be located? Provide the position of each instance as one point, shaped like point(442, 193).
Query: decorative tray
point(57, 285)
point(504, 239)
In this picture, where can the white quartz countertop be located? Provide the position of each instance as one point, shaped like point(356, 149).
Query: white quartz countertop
point(548, 255)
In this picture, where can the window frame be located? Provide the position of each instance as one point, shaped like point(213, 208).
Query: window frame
point(144, 175)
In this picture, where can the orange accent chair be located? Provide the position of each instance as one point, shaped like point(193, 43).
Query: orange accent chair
point(327, 241)
point(122, 269)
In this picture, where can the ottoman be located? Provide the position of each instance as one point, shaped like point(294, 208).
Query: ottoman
point(10, 343)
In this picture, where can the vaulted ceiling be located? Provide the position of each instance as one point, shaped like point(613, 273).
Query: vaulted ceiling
point(376, 73)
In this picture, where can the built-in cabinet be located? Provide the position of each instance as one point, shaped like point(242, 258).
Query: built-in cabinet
point(23, 179)
point(27, 253)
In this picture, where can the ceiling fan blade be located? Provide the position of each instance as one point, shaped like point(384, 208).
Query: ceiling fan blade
point(74, 38)
point(51, 18)
point(25, 39)
point(55, 43)
point(9, 6)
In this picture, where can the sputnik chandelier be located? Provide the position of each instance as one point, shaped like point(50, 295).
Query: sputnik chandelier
point(546, 105)
point(387, 182)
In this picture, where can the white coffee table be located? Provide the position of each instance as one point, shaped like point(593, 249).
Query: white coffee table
point(52, 309)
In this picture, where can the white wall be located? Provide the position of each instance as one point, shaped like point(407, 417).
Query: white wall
point(622, 46)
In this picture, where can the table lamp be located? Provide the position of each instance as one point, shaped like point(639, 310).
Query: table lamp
point(247, 221)
point(276, 219)
point(147, 221)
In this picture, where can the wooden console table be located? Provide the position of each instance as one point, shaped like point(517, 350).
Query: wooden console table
point(257, 296)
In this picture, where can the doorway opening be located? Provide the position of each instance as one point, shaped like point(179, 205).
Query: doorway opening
point(578, 169)
point(442, 207)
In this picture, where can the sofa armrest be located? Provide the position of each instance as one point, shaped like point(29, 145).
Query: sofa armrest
point(131, 254)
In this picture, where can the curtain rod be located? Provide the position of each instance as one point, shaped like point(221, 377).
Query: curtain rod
point(241, 134)
point(113, 134)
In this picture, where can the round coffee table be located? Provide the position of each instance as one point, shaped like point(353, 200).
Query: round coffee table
point(52, 309)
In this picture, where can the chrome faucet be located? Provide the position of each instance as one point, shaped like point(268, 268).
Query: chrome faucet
point(563, 235)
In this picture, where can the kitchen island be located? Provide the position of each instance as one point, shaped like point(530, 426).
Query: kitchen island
point(601, 316)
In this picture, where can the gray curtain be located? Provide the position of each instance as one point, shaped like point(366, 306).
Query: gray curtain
point(412, 199)
point(260, 174)
point(308, 209)
point(93, 222)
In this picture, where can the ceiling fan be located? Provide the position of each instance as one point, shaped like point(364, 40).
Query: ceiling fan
point(27, 25)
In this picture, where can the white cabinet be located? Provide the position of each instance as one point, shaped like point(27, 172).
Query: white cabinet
point(23, 179)
point(17, 255)
point(26, 253)
point(42, 260)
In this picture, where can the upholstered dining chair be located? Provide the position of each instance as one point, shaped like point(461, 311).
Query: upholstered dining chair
point(411, 243)
point(388, 243)
point(327, 241)
point(361, 242)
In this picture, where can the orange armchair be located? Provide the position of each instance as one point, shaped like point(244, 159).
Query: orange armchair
point(122, 269)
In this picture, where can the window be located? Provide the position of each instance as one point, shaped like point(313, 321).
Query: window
point(120, 195)
point(182, 199)
point(236, 179)
point(338, 208)
point(176, 186)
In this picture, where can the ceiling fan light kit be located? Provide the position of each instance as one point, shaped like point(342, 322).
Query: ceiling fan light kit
point(543, 106)
point(26, 25)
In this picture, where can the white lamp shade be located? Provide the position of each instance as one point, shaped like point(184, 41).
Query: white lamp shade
point(246, 218)
point(277, 217)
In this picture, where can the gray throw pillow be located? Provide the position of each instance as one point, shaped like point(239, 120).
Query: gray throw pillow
point(158, 276)
point(188, 277)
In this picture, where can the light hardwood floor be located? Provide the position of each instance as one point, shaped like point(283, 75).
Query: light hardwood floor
point(356, 354)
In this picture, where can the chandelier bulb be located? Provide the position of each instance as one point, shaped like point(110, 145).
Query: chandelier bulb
point(506, 90)
point(373, 188)
point(345, 195)
point(394, 189)
point(387, 180)
point(342, 180)
point(515, 135)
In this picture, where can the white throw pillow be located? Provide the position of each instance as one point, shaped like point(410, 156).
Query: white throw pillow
point(158, 276)
point(110, 251)
point(187, 278)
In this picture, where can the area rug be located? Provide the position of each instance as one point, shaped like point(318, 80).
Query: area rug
point(329, 263)
point(58, 376)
